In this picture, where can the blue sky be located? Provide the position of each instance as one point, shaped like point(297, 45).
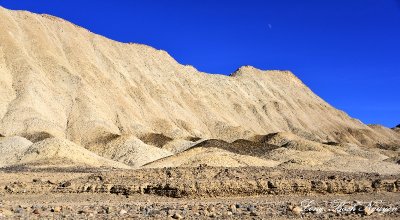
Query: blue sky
point(346, 51)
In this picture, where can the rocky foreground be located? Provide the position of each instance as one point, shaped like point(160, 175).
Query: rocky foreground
point(201, 192)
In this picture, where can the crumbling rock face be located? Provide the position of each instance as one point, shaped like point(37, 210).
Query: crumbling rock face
point(206, 181)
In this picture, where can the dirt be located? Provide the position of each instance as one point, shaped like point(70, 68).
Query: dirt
point(200, 192)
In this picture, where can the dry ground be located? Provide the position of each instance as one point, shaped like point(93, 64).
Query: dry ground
point(200, 192)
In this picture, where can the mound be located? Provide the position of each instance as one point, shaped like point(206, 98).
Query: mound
point(130, 151)
point(158, 140)
point(388, 134)
point(55, 152)
point(291, 141)
point(298, 153)
point(180, 145)
point(340, 158)
point(241, 146)
point(211, 157)
point(11, 149)
point(363, 165)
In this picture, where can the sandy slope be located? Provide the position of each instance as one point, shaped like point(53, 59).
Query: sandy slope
point(212, 157)
point(55, 152)
point(63, 80)
point(12, 149)
point(59, 80)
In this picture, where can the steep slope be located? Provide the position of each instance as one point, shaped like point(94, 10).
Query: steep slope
point(61, 81)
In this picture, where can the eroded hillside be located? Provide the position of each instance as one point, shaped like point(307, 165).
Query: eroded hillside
point(64, 88)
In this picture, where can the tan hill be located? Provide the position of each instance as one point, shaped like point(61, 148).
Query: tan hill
point(12, 149)
point(285, 150)
point(212, 157)
point(63, 153)
point(131, 151)
point(135, 104)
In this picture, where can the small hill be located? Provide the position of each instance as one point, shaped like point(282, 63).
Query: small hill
point(212, 157)
point(55, 152)
point(12, 149)
point(131, 151)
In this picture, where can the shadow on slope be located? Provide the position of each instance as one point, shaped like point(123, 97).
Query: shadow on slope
point(240, 146)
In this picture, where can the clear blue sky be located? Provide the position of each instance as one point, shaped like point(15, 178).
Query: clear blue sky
point(346, 51)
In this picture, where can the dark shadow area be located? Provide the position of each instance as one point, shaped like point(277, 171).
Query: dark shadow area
point(193, 139)
point(158, 140)
point(106, 139)
point(240, 146)
point(331, 143)
point(36, 137)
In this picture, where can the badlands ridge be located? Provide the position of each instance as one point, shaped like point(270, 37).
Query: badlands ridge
point(71, 98)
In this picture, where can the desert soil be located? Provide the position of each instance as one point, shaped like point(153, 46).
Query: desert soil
point(197, 193)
